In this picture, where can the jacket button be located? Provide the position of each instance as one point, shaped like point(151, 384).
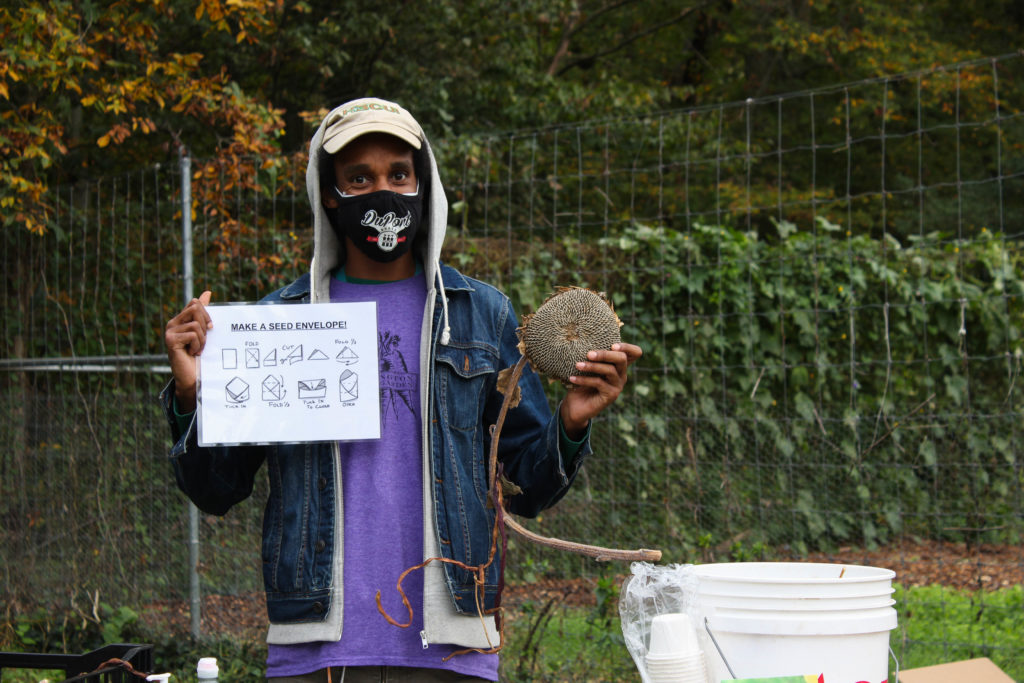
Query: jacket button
point(318, 607)
point(320, 545)
point(321, 483)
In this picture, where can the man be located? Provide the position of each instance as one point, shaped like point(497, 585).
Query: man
point(344, 520)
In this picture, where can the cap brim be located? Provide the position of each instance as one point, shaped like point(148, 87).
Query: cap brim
point(333, 143)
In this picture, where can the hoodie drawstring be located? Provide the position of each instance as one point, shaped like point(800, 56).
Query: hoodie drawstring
point(446, 332)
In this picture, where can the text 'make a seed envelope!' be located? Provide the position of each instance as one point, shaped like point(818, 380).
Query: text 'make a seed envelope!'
point(289, 373)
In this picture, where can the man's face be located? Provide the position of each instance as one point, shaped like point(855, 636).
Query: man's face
point(371, 163)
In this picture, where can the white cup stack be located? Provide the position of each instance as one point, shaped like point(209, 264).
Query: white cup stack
point(674, 655)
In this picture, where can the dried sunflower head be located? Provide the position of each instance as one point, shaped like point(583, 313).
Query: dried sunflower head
point(571, 322)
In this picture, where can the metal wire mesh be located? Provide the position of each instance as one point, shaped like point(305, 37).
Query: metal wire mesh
point(826, 285)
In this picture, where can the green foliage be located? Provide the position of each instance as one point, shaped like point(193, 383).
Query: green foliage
point(938, 624)
point(96, 87)
point(50, 630)
point(550, 642)
point(547, 641)
point(935, 625)
point(808, 365)
point(237, 660)
point(87, 627)
point(90, 89)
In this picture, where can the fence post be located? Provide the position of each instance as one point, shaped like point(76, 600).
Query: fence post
point(186, 269)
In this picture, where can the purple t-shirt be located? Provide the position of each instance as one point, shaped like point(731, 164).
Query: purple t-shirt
point(383, 497)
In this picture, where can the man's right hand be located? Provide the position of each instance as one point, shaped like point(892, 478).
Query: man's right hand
point(185, 337)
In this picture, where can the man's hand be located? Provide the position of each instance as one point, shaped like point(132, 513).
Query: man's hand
point(185, 337)
point(589, 395)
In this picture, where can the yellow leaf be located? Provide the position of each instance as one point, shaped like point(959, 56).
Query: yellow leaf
point(103, 141)
point(88, 100)
point(240, 37)
point(4, 92)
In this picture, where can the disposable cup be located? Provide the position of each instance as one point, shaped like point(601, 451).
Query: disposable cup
point(696, 675)
point(673, 677)
point(695, 671)
point(680, 660)
point(675, 665)
point(686, 668)
point(672, 634)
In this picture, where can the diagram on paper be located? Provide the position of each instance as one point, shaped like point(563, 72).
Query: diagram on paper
point(348, 386)
point(347, 356)
point(273, 388)
point(237, 390)
point(294, 355)
point(290, 373)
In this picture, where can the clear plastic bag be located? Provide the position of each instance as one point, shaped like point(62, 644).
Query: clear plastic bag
point(651, 590)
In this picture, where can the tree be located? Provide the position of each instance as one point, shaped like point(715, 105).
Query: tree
point(89, 87)
point(86, 88)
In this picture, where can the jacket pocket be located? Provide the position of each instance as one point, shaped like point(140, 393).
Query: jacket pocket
point(463, 374)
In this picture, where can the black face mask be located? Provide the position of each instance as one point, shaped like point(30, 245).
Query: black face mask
point(381, 224)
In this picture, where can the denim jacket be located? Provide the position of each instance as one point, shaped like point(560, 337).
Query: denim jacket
point(300, 548)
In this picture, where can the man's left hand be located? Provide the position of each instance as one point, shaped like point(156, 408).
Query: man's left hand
point(592, 393)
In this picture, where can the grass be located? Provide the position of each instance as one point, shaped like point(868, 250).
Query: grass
point(549, 643)
point(936, 625)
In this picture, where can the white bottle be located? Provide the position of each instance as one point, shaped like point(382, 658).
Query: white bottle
point(206, 670)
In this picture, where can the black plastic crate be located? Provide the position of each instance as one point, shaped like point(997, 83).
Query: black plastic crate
point(131, 663)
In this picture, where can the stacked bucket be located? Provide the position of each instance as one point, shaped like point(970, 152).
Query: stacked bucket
point(792, 618)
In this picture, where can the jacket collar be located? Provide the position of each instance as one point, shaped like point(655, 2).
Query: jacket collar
point(454, 281)
point(297, 290)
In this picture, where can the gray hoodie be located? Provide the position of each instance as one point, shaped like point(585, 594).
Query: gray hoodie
point(442, 622)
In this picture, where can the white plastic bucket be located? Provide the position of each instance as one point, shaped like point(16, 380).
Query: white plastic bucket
point(794, 618)
point(791, 604)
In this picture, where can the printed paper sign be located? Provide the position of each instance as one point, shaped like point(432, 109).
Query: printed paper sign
point(289, 373)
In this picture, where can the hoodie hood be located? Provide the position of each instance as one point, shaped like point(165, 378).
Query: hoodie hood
point(342, 125)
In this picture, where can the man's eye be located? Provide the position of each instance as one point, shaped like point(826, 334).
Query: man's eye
point(401, 175)
point(359, 180)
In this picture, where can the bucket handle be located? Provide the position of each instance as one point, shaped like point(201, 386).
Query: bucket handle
point(707, 627)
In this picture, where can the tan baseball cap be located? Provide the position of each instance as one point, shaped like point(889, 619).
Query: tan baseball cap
point(369, 115)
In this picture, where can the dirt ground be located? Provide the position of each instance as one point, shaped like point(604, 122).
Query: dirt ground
point(915, 564)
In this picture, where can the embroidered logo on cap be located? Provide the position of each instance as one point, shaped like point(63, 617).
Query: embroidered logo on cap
point(372, 106)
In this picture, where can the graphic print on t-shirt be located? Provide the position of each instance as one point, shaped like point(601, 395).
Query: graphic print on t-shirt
point(398, 386)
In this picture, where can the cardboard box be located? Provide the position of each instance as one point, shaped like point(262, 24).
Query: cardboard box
point(981, 670)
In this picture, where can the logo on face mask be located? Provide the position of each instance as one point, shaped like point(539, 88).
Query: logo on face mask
point(382, 225)
point(387, 226)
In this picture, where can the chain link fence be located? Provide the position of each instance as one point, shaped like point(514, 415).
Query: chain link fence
point(827, 286)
